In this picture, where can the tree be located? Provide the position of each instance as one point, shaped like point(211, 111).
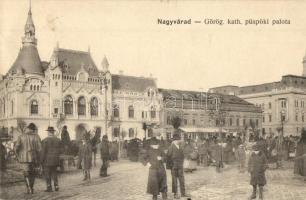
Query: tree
point(176, 122)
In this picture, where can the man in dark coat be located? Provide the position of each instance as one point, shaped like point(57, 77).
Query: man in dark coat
point(2, 157)
point(51, 149)
point(27, 148)
point(203, 153)
point(176, 155)
point(300, 157)
point(257, 166)
point(65, 139)
point(85, 154)
point(157, 181)
point(105, 156)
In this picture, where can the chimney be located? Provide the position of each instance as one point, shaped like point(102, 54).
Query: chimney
point(120, 72)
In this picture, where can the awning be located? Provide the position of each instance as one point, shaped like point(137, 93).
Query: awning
point(202, 129)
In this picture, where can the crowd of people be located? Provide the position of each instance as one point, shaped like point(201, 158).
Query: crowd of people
point(183, 156)
point(44, 157)
point(253, 154)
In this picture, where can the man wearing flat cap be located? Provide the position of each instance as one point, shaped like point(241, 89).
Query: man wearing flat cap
point(176, 155)
point(51, 149)
point(27, 148)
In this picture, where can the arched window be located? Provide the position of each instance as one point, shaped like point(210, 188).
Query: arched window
point(34, 87)
point(116, 110)
point(81, 106)
point(68, 105)
point(153, 112)
point(94, 106)
point(131, 132)
point(131, 112)
point(31, 87)
point(34, 107)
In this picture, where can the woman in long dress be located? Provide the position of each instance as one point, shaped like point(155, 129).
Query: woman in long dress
point(157, 180)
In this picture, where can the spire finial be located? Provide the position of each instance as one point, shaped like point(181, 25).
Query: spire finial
point(30, 7)
point(105, 64)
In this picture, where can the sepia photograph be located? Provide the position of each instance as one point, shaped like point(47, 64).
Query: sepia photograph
point(152, 99)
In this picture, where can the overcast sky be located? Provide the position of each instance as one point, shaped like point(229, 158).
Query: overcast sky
point(182, 57)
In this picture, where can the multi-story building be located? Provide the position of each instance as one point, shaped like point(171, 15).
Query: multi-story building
point(282, 102)
point(71, 90)
point(204, 114)
point(135, 106)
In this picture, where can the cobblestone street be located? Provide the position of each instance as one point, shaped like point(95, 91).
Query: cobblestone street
point(127, 181)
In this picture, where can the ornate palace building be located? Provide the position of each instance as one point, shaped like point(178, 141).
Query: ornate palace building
point(70, 89)
point(282, 102)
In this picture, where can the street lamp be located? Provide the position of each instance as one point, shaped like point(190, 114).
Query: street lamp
point(105, 83)
point(280, 138)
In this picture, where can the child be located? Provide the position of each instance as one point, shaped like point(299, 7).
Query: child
point(85, 154)
point(257, 167)
point(241, 157)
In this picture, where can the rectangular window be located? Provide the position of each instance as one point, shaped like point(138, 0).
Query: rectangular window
point(55, 110)
point(270, 105)
point(237, 122)
point(193, 122)
point(185, 122)
point(243, 122)
point(231, 121)
point(270, 118)
point(263, 119)
point(116, 132)
point(296, 117)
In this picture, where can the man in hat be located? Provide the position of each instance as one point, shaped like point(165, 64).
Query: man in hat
point(176, 155)
point(27, 148)
point(257, 166)
point(51, 149)
point(105, 156)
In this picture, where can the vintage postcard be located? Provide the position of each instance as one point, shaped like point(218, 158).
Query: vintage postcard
point(164, 99)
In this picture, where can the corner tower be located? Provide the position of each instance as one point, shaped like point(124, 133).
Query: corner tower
point(28, 60)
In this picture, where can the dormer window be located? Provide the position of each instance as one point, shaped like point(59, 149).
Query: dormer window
point(82, 77)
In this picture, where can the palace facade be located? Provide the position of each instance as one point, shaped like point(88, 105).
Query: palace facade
point(70, 89)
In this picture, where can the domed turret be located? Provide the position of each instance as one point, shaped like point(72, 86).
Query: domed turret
point(28, 59)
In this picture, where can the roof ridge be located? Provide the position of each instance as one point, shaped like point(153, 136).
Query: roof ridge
point(133, 76)
point(181, 90)
point(260, 84)
point(72, 51)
